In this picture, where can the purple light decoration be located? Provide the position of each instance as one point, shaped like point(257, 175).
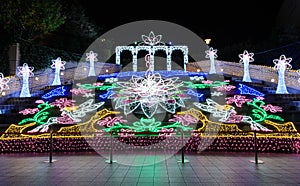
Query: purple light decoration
point(248, 90)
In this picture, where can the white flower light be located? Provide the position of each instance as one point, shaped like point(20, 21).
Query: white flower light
point(3, 82)
point(151, 39)
point(149, 92)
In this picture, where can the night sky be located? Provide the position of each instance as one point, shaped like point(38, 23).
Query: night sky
point(225, 22)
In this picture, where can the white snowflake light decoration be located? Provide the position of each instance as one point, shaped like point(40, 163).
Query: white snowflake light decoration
point(281, 65)
point(3, 82)
point(212, 55)
point(58, 65)
point(91, 57)
point(246, 58)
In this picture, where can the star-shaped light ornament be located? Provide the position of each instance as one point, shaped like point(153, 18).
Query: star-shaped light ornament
point(282, 63)
point(246, 56)
point(151, 39)
point(3, 82)
point(211, 53)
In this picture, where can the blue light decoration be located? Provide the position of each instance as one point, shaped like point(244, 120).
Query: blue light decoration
point(193, 93)
point(59, 91)
point(251, 91)
point(106, 95)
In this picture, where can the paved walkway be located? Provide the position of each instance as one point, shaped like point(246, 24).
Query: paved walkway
point(214, 168)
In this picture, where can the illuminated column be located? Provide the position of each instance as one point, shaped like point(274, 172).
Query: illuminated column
point(91, 57)
point(245, 58)
point(211, 54)
point(25, 71)
point(151, 52)
point(58, 65)
point(169, 52)
point(134, 59)
point(185, 58)
point(118, 52)
point(281, 65)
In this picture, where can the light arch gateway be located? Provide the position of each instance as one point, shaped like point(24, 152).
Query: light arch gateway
point(152, 49)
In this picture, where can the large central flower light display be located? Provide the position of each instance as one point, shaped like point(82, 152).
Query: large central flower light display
point(149, 93)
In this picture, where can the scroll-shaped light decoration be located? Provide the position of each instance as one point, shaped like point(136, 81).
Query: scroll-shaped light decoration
point(3, 82)
point(91, 57)
point(25, 71)
point(246, 58)
point(58, 65)
point(212, 55)
point(281, 65)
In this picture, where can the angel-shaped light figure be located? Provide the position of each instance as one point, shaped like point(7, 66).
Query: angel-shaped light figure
point(281, 65)
point(3, 82)
point(91, 57)
point(246, 58)
point(58, 65)
point(212, 55)
point(25, 71)
point(223, 112)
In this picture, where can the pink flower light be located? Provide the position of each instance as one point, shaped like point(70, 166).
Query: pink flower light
point(207, 82)
point(109, 121)
point(65, 119)
point(225, 87)
point(185, 120)
point(63, 102)
point(237, 99)
point(29, 111)
point(78, 91)
point(272, 108)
